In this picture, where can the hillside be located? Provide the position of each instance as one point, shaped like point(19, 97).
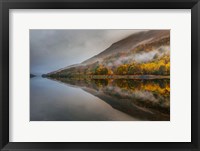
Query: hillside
point(32, 75)
point(143, 53)
point(130, 43)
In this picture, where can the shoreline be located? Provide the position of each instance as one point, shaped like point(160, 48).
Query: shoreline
point(112, 77)
point(129, 77)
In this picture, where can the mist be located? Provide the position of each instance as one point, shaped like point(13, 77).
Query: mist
point(51, 50)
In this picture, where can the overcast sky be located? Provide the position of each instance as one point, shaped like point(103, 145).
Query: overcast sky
point(54, 49)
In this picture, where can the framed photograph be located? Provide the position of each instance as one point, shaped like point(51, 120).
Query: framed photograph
point(89, 75)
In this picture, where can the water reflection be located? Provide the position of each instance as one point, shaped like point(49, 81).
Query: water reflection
point(56, 101)
point(141, 99)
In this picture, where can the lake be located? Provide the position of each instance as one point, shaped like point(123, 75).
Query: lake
point(65, 99)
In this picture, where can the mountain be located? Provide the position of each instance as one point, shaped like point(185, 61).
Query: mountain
point(130, 43)
point(32, 75)
point(142, 53)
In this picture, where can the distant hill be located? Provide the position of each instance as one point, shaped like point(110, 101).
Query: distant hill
point(143, 53)
point(130, 42)
point(32, 75)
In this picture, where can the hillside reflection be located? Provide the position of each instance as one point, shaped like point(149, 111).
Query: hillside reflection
point(143, 99)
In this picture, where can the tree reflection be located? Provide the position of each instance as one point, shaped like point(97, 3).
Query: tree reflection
point(143, 99)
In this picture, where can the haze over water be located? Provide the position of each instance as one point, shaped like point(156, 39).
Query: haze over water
point(99, 101)
point(100, 75)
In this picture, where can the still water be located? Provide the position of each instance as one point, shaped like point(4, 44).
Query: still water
point(99, 100)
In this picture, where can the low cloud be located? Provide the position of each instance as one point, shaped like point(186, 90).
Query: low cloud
point(140, 57)
point(54, 49)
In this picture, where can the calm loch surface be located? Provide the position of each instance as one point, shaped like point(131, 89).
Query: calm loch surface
point(99, 100)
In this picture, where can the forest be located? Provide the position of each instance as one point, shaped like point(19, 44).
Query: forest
point(150, 58)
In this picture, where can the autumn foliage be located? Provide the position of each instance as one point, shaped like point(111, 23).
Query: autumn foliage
point(125, 62)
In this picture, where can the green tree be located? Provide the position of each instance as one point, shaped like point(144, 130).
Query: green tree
point(162, 69)
point(101, 70)
point(134, 69)
point(122, 70)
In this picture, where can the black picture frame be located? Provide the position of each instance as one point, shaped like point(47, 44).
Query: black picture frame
point(5, 5)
